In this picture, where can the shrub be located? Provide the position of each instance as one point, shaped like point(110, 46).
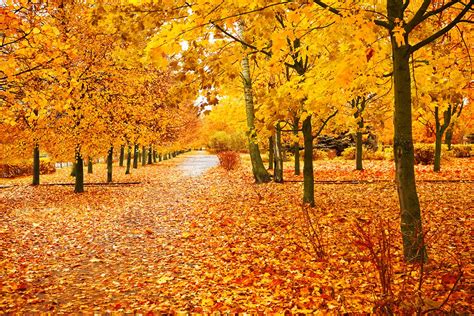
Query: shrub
point(25, 168)
point(222, 141)
point(367, 154)
point(349, 153)
point(424, 154)
point(388, 153)
point(320, 154)
point(228, 159)
point(462, 151)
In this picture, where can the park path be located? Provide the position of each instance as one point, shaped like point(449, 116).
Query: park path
point(114, 248)
point(198, 163)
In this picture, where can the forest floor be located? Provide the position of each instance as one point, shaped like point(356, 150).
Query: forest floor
point(219, 242)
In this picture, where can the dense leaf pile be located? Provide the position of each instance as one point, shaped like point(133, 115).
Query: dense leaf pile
point(221, 243)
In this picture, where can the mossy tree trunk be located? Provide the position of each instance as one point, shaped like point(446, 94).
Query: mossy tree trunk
point(36, 164)
point(129, 159)
point(122, 155)
point(410, 213)
point(79, 183)
point(278, 173)
point(260, 174)
point(110, 157)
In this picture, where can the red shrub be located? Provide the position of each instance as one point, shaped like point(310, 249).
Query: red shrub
point(228, 159)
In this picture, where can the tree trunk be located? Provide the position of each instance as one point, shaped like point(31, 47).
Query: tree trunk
point(260, 174)
point(278, 173)
point(159, 158)
point(144, 155)
point(449, 136)
point(122, 155)
point(135, 156)
point(109, 164)
point(437, 152)
point(154, 156)
point(36, 165)
point(89, 165)
point(129, 159)
point(79, 184)
point(150, 156)
point(73, 170)
point(165, 156)
point(359, 151)
point(410, 215)
point(270, 152)
point(308, 175)
point(296, 146)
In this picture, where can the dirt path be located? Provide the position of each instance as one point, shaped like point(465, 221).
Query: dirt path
point(195, 165)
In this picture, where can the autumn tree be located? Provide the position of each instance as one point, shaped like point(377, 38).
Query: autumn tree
point(406, 22)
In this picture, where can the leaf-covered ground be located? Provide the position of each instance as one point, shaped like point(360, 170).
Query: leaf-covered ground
point(221, 243)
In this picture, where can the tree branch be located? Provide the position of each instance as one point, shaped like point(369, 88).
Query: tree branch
point(413, 23)
point(441, 32)
point(327, 7)
point(235, 38)
point(418, 17)
point(324, 124)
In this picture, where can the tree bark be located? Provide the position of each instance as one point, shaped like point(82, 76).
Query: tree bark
point(135, 156)
point(308, 175)
point(122, 155)
point(144, 155)
point(410, 213)
point(151, 155)
point(89, 165)
point(359, 151)
point(296, 146)
point(129, 159)
point(437, 152)
point(79, 183)
point(109, 164)
point(449, 136)
point(440, 129)
point(278, 173)
point(36, 165)
point(260, 174)
point(270, 152)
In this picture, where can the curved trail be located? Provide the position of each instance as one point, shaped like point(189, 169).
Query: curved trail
point(195, 165)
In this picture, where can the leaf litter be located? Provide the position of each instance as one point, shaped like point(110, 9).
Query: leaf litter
point(217, 243)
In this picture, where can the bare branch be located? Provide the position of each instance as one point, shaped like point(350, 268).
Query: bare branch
point(443, 31)
point(413, 23)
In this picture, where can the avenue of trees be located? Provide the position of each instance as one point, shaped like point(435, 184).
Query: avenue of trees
point(76, 89)
point(89, 78)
